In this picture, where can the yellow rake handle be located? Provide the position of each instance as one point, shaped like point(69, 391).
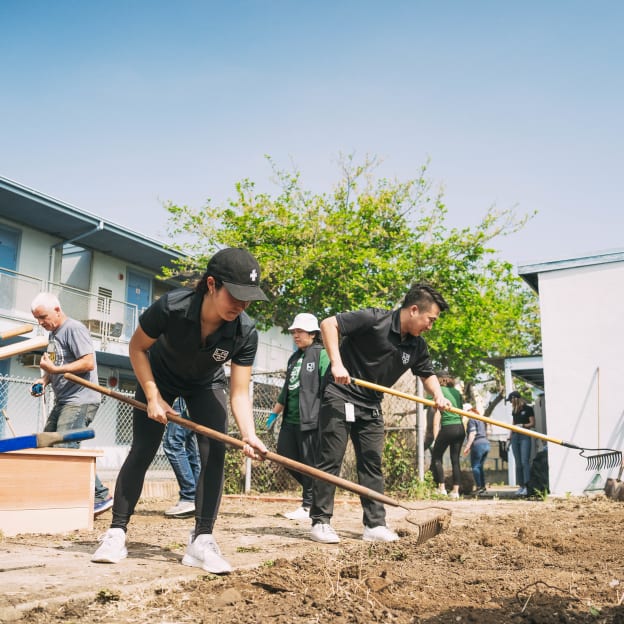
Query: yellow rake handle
point(455, 410)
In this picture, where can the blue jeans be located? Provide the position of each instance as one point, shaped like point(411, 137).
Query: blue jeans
point(478, 453)
point(180, 447)
point(521, 447)
point(68, 418)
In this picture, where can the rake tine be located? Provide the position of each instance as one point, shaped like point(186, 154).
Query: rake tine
point(602, 461)
point(430, 521)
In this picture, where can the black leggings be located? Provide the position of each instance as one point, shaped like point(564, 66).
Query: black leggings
point(453, 436)
point(205, 407)
point(302, 446)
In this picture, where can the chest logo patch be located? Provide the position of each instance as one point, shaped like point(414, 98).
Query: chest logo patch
point(220, 355)
point(405, 358)
point(310, 366)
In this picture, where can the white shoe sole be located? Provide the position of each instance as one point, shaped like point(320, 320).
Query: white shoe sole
point(180, 514)
point(108, 559)
point(334, 539)
point(189, 560)
point(194, 562)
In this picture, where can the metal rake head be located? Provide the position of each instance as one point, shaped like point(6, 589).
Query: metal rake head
point(430, 522)
point(607, 458)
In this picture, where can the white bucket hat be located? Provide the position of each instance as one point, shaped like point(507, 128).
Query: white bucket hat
point(305, 321)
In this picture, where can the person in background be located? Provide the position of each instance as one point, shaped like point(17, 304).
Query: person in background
point(70, 350)
point(299, 403)
point(448, 432)
point(478, 445)
point(179, 350)
point(523, 416)
point(180, 447)
point(378, 346)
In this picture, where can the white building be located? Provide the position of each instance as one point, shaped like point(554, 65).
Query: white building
point(581, 303)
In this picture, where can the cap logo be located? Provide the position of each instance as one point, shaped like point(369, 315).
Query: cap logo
point(405, 358)
point(253, 276)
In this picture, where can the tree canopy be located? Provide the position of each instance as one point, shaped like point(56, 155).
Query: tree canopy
point(363, 245)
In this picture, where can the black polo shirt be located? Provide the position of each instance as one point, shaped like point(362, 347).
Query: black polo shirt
point(523, 416)
point(372, 350)
point(179, 360)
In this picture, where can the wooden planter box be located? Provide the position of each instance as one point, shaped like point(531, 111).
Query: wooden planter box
point(47, 490)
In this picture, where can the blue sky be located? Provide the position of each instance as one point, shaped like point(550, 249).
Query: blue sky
point(115, 107)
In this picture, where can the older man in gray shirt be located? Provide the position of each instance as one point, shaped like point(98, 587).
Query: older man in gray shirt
point(70, 350)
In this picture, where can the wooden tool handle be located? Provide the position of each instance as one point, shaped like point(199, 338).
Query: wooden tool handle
point(24, 346)
point(16, 331)
point(455, 410)
point(226, 439)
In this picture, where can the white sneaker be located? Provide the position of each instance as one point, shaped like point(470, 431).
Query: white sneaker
point(454, 495)
point(324, 533)
point(379, 534)
point(303, 513)
point(112, 547)
point(183, 509)
point(204, 553)
point(521, 491)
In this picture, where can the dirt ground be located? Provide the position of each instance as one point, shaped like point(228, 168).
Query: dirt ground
point(499, 560)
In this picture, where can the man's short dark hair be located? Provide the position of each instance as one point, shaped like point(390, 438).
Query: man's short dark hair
point(424, 295)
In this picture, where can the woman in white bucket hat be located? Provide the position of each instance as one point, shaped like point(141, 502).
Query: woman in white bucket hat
point(299, 402)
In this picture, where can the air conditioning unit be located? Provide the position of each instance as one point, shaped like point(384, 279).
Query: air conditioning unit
point(29, 360)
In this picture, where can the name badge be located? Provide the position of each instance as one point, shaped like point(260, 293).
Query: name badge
point(349, 412)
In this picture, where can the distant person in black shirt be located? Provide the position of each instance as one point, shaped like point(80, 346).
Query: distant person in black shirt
point(377, 346)
point(179, 349)
point(523, 416)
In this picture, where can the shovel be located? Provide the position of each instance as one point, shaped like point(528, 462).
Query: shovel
point(603, 458)
point(46, 438)
point(429, 522)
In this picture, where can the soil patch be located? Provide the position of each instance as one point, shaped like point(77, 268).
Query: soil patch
point(499, 561)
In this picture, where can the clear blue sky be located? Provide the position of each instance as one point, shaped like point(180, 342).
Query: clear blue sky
point(117, 106)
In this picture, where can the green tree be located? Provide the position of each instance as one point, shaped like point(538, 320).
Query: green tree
point(363, 245)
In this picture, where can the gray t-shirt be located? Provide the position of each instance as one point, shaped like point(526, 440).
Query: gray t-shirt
point(72, 341)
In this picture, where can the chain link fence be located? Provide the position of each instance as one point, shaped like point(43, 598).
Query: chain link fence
point(23, 414)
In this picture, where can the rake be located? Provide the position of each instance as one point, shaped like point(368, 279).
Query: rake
point(430, 521)
point(602, 459)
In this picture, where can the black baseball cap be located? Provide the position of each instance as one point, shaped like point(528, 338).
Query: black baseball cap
point(240, 273)
point(513, 395)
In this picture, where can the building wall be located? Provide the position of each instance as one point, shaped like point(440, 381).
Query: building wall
point(583, 349)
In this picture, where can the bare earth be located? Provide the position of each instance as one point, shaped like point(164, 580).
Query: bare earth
point(499, 560)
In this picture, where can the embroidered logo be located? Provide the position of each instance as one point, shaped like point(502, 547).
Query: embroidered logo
point(310, 366)
point(405, 358)
point(220, 355)
point(253, 276)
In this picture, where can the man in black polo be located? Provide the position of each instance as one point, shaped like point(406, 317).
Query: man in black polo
point(378, 346)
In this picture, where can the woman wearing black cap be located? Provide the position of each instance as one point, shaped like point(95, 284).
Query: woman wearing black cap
point(178, 350)
point(523, 416)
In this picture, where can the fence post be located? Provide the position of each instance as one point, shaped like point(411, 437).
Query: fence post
point(248, 463)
